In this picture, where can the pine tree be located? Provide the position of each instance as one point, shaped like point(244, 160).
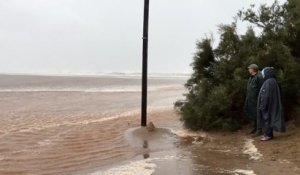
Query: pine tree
point(216, 89)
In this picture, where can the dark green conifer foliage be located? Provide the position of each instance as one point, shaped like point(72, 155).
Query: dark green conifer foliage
point(216, 89)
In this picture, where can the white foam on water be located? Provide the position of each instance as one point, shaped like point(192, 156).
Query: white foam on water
point(140, 167)
point(137, 75)
point(82, 122)
point(88, 89)
point(44, 142)
point(223, 151)
point(187, 133)
point(197, 136)
point(49, 89)
point(283, 161)
point(243, 172)
point(251, 150)
point(91, 121)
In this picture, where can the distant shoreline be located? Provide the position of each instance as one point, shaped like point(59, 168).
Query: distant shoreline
point(130, 75)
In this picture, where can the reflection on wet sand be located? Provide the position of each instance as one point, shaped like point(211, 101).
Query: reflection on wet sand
point(166, 152)
point(145, 146)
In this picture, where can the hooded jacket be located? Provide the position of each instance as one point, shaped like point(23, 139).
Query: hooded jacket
point(269, 103)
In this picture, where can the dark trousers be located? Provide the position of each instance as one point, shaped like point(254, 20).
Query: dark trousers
point(265, 124)
point(255, 125)
point(268, 130)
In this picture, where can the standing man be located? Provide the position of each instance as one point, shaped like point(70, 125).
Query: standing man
point(270, 112)
point(253, 87)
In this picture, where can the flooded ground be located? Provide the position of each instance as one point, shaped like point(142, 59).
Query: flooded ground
point(90, 125)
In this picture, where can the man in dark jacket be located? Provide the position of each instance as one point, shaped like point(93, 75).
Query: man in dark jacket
point(270, 112)
point(254, 84)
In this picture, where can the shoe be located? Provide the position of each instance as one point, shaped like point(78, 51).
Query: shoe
point(258, 133)
point(266, 138)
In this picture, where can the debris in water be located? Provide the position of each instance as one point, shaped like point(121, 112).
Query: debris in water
point(150, 127)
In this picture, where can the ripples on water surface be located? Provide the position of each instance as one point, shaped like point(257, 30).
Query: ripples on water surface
point(85, 125)
point(61, 125)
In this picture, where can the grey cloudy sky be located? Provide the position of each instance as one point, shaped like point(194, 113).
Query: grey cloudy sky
point(90, 36)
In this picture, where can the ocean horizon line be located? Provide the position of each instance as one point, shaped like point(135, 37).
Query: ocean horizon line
point(91, 74)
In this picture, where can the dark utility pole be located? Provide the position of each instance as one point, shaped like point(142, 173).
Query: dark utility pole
point(145, 64)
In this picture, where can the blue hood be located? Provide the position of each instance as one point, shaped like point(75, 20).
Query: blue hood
point(268, 72)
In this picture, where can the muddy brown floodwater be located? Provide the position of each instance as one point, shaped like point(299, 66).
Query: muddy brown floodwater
point(90, 125)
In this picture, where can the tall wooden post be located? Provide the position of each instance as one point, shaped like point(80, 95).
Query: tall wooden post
point(145, 65)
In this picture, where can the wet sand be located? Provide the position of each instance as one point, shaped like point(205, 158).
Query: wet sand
point(281, 155)
point(178, 151)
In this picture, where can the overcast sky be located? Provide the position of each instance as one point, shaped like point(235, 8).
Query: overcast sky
point(91, 36)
